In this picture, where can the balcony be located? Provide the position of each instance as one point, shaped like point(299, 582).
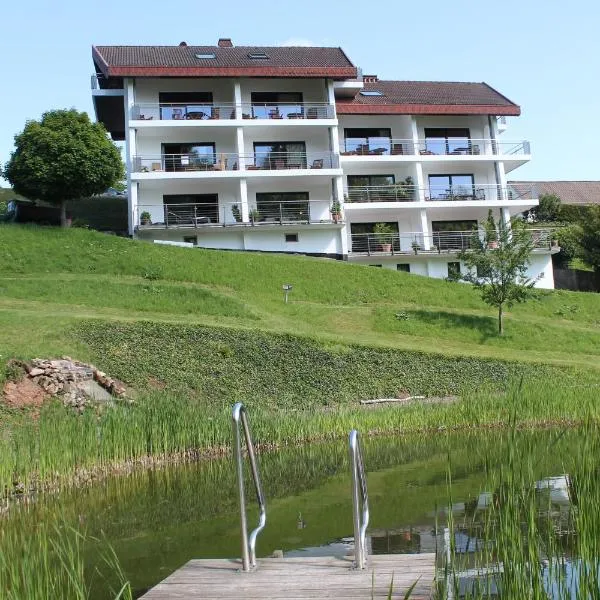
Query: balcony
point(182, 111)
point(459, 193)
point(442, 242)
point(434, 147)
point(304, 111)
point(472, 147)
point(288, 111)
point(290, 160)
point(377, 147)
point(185, 163)
point(214, 215)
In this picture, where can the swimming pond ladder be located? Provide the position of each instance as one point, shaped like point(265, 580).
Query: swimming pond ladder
point(360, 498)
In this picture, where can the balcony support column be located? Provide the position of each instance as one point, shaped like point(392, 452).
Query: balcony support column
point(425, 229)
point(237, 98)
point(239, 140)
point(130, 152)
point(244, 201)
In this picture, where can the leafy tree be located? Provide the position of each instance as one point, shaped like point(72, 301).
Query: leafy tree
point(590, 238)
point(62, 157)
point(548, 210)
point(497, 264)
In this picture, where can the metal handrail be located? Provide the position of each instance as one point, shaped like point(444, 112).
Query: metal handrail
point(359, 495)
point(239, 415)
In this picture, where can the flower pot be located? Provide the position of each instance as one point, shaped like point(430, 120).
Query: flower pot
point(492, 245)
point(386, 247)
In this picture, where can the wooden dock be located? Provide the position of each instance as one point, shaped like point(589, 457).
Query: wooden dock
point(300, 579)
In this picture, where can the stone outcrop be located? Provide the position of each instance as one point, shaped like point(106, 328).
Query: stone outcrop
point(75, 382)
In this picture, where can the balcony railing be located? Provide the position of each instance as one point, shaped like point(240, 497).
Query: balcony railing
point(377, 147)
point(437, 242)
point(407, 193)
point(290, 160)
point(178, 163)
point(188, 111)
point(471, 147)
point(213, 214)
point(285, 110)
point(433, 147)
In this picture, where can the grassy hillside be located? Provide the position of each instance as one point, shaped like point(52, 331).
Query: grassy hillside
point(50, 279)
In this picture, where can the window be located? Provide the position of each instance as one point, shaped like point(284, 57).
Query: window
point(453, 235)
point(189, 157)
point(291, 237)
point(205, 55)
point(453, 270)
point(376, 266)
point(282, 207)
point(453, 187)
point(405, 267)
point(448, 141)
point(370, 93)
point(277, 105)
point(190, 239)
point(280, 155)
point(365, 240)
point(185, 105)
point(366, 140)
point(257, 55)
point(357, 183)
point(191, 209)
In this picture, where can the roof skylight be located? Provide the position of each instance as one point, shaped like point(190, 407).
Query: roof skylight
point(205, 55)
point(257, 55)
point(371, 93)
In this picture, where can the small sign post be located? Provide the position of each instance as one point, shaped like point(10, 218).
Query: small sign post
point(287, 288)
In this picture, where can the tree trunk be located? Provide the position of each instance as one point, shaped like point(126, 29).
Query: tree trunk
point(500, 320)
point(63, 214)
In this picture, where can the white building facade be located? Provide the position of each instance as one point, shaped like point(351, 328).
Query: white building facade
point(292, 150)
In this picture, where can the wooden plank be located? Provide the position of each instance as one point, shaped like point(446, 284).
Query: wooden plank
point(300, 578)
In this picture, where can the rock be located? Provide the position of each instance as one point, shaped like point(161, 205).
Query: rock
point(35, 371)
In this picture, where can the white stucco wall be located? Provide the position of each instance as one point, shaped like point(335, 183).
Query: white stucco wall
point(541, 266)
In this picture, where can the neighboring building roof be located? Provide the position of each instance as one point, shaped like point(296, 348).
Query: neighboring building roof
point(428, 97)
point(232, 61)
point(569, 192)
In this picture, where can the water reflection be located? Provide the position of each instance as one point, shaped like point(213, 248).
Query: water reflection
point(157, 520)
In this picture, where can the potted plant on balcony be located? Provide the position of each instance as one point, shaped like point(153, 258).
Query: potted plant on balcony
point(145, 218)
point(404, 190)
point(336, 211)
point(491, 235)
point(235, 211)
point(415, 246)
point(254, 216)
point(383, 234)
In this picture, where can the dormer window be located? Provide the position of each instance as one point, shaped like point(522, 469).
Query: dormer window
point(205, 55)
point(370, 93)
point(257, 56)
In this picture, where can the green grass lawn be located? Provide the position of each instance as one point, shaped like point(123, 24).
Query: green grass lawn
point(53, 278)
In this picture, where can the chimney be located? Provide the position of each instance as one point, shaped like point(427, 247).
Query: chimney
point(182, 44)
point(225, 43)
point(370, 78)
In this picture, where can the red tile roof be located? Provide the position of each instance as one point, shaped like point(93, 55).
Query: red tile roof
point(282, 61)
point(428, 97)
point(570, 192)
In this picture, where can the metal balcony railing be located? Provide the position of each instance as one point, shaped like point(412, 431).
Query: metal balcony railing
point(471, 147)
point(290, 160)
point(189, 111)
point(435, 243)
point(288, 110)
point(380, 146)
point(171, 163)
point(214, 214)
point(407, 193)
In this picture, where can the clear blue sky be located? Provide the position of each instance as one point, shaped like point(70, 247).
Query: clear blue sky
point(543, 55)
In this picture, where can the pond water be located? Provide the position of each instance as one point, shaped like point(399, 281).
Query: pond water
point(156, 520)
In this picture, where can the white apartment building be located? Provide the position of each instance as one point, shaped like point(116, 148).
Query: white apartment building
point(292, 149)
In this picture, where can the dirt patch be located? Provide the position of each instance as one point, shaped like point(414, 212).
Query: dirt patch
point(156, 384)
point(23, 394)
